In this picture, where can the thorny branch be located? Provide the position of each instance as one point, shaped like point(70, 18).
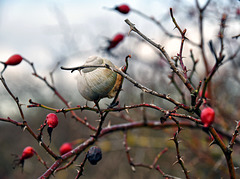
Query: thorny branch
point(52, 87)
point(179, 158)
point(161, 26)
point(100, 131)
point(152, 166)
point(161, 48)
point(140, 86)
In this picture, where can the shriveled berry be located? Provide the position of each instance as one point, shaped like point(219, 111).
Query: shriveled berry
point(124, 9)
point(94, 155)
point(207, 116)
point(66, 147)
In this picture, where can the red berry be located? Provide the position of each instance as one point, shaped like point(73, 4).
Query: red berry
point(14, 60)
point(115, 41)
point(28, 152)
point(207, 116)
point(52, 120)
point(118, 38)
point(66, 147)
point(123, 8)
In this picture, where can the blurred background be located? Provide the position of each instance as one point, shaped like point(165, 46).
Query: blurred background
point(65, 33)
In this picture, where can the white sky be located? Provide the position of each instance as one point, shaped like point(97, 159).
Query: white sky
point(32, 29)
point(45, 31)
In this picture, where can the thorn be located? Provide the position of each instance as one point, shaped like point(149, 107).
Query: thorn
point(133, 168)
point(109, 124)
point(175, 163)
point(181, 160)
point(131, 29)
point(127, 111)
point(236, 168)
point(212, 143)
point(25, 127)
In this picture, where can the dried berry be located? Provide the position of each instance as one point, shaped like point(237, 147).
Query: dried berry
point(94, 155)
point(124, 9)
point(207, 116)
point(66, 147)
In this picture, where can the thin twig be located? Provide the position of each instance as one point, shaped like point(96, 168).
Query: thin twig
point(159, 24)
point(179, 158)
point(140, 86)
point(81, 168)
point(161, 48)
point(234, 136)
point(13, 96)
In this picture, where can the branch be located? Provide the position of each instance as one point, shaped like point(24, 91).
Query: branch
point(234, 136)
point(179, 158)
point(226, 152)
point(65, 110)
point(159, 47)
point(12, 95)
point(74, 115)
point(159, 24)
point(138, 85)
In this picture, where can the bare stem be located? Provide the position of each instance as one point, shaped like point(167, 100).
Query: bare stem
point(161, 48)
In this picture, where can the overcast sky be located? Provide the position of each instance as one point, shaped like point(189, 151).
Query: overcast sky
point(48, 31)
point(42, 29)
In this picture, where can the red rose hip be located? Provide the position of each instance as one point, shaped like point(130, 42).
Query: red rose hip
point(14, 60)
point(115, 41)
point(28, 152)
point(52, 122)
point(66, 147)
point(124, 9)
point(207, 116)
